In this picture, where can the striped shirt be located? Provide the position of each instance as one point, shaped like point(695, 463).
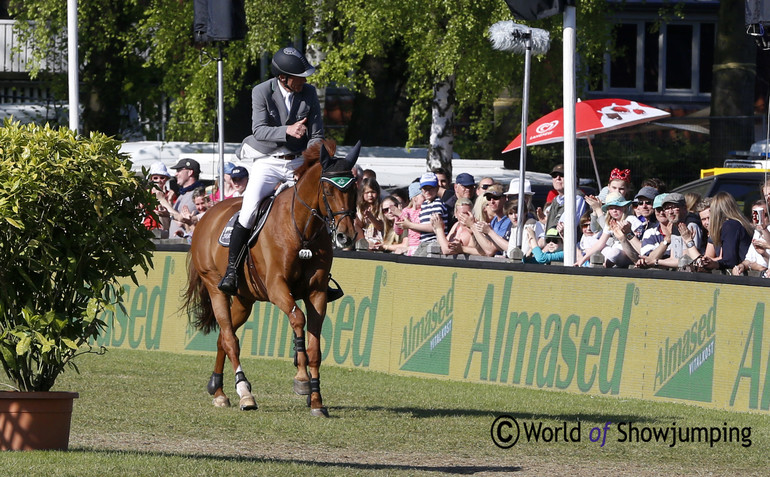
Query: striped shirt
point(428, 209)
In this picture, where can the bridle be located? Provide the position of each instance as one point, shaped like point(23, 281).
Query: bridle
point(343, 181)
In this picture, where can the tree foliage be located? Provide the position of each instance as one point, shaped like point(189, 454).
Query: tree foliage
point(139, 52)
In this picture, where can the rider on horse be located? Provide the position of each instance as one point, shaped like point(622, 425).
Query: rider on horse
point(286, 119)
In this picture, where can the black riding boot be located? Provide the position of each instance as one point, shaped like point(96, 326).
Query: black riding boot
point(238, 238)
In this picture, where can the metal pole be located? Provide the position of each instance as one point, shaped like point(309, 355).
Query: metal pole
point(221, 120)
point(570, 139)
point(72, 64)
point(524, 125)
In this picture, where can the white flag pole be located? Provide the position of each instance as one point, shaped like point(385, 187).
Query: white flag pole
point(72, 63)
point(570, 139)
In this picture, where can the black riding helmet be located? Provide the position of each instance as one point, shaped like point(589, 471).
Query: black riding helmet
point(289, 61)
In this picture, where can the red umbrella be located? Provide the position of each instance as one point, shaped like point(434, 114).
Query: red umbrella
point(591, 117)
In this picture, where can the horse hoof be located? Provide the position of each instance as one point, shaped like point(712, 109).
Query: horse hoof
point(301, 388)
point(248, 403)
point(221, 401)
point(319, 412)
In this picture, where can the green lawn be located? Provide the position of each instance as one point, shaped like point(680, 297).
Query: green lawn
point(147, 413)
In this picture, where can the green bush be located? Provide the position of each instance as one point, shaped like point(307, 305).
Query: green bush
point(70, 225)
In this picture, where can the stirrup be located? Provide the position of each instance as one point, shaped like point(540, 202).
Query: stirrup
point(334, 293)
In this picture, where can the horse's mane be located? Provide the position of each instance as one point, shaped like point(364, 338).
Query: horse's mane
point(313, 154)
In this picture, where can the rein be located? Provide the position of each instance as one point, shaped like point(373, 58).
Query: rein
point(328, 219)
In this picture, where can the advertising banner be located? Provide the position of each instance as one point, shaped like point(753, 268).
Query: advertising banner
point(701, 343)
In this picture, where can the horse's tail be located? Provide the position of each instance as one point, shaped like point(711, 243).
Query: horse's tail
point(197, 301)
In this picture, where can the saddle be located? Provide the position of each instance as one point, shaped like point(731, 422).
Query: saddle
point(262, 213)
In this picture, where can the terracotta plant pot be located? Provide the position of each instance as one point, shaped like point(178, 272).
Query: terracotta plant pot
point(36, 420)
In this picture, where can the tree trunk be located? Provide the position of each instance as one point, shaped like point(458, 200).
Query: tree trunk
point(734, 80)
point(440, 149)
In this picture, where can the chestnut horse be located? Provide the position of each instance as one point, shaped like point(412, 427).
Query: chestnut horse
point(290, 260)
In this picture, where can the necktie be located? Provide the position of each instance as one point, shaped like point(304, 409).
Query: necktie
point(289, 98)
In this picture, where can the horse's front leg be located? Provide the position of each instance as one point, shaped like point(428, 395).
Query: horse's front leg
point(281, 297)
point(316, 311)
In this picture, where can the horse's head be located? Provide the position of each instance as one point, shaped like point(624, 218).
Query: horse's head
point(339, 194)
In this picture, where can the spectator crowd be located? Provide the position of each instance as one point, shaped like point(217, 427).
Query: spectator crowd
point(616, 228)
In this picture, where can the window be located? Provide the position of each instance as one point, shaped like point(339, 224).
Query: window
point(661, 59)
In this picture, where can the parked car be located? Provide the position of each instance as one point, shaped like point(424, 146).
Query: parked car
point(746, 187)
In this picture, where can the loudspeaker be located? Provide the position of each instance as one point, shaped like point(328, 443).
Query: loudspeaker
point(219, 20)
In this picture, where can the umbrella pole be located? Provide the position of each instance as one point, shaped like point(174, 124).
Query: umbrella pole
point(524, 125)
point(593, 159)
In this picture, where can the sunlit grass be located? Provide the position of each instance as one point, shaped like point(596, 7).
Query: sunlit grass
point(147, 413)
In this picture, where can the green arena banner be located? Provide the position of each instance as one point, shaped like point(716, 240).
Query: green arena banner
point(696, 342)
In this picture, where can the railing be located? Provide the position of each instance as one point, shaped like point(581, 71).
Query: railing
point(16, 57)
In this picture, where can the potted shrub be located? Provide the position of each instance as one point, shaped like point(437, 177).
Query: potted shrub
point(71, 215)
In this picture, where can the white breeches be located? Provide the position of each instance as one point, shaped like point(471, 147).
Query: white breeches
point(266, 173)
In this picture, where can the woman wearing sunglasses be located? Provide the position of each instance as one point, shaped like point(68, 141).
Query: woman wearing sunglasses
point(391, 240)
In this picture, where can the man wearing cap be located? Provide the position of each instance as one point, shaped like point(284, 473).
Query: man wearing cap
point(557, 204)
point(464, 188)
point(187, 173)
point(654, 236)
point(286, 118)
point(644, 211)
point(675, 208)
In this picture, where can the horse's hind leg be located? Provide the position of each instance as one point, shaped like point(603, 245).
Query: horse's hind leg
point(230, 318)
point(214, 386)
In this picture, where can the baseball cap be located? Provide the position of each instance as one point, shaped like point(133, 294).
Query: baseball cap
point(229, 166)
point(557, 169)
point(428, 179)
point(465, 179)
point(647, 192)
point(674, 198)
point(658, 202)
point(239, 172)
point(414, 190)
point(191, 164)
point(495, 190)
point(552, 233)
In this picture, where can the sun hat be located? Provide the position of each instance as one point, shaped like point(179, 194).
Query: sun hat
point(158, 169)
point(514, 187)
point(614, 199)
